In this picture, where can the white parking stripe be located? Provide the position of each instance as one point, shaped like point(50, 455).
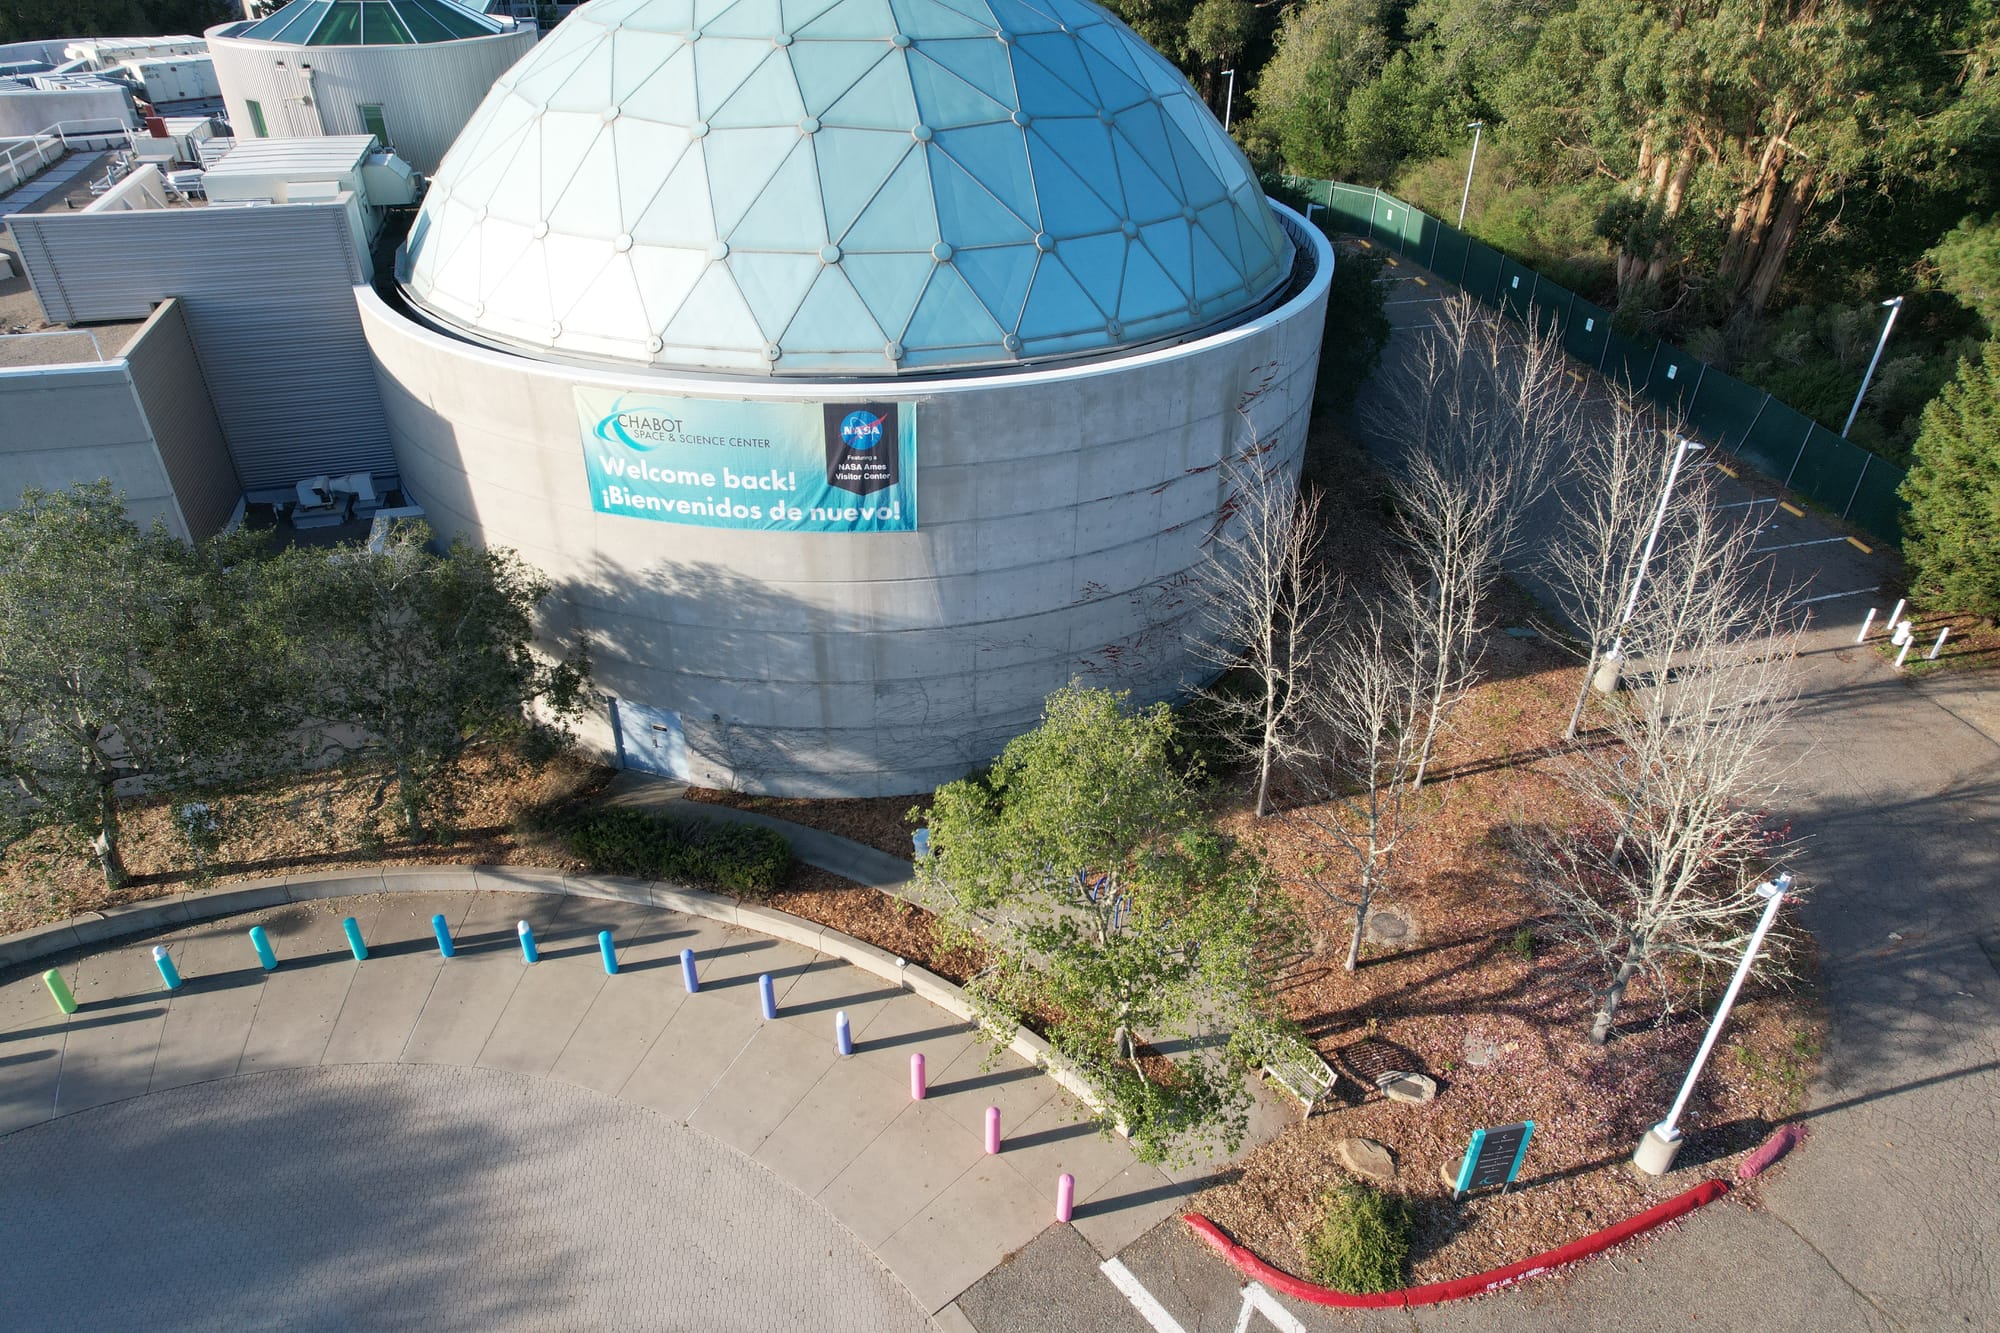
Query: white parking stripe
point(1259, 1301)
point(1142, 1300)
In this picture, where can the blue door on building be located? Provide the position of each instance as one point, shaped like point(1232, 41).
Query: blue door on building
point(650, 739)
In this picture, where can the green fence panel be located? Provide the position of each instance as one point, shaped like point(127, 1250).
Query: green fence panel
point(1349, 208)
point(1829, 469)
point(1672, 381)
point(1417, 227)
point(1307, 189)
point(1724, 408)
point(1589, 326)
point(1391, 223)
point(1551, 309)
point(1482, 270)
point(1447, 257)
point(1627, 361)
point(1517, 287)
point(1772, 445)
point(1875, 506)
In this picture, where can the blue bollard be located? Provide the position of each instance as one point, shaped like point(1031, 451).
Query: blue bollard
point(353, 929)
point(610, 954)
point(165, 962)
point(262, 944)
point(443, 933)
point(529, 953)
point(687, 971)
point(765, 994)
point(843, 1036)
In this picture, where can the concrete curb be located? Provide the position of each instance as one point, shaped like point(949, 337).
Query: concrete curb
point(234, 897)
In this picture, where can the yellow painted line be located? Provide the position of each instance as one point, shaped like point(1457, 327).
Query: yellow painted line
point(1365, 243)
point(1791, 509)
point(1861, 546)
point(1393, 263)
point(1727, 470)
point(1422, 283)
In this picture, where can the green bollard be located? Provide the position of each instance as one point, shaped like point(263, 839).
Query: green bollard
point(60, 989)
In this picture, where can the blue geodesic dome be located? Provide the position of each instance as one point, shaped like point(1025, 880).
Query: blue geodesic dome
point(842, 187)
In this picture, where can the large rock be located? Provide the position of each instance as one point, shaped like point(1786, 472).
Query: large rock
point(1408, 1087)
point(1366, 1157)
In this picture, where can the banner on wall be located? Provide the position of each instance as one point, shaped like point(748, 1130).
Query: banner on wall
point(768, 467)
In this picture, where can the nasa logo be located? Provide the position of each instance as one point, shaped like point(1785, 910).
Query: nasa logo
point(861, 429)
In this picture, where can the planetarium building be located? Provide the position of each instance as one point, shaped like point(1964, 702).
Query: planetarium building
point(860, 370)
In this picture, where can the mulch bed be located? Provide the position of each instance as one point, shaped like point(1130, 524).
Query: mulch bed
point(879, 821)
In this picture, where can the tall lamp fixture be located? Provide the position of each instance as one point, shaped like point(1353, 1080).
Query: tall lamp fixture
point(1895, 309)
point(1476, 127)
point(1606, 679)
point(1229, 100)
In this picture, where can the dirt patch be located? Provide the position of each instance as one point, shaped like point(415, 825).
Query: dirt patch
point(878, 821)
point(1484, 1004)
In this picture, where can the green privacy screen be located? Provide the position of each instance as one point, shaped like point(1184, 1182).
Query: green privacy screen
point(1806, 457)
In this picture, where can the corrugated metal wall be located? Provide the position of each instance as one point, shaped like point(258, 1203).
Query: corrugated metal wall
point(60, 425)
point(168, 381)
point(426, 92)
point(268, 294)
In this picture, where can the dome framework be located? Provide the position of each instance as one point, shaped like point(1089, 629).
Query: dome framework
point(846, 187)
point(369, 23)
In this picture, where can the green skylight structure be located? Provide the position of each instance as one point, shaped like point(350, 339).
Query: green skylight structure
point(369, 23)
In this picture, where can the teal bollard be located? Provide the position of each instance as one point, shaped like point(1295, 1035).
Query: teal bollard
point(610, 954)
point(262, 944)
point(165, 962)
point(353, 929)
point(443, 933)
point(529, 953)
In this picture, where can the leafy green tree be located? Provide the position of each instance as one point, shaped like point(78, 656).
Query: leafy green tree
point(1115, 913)
point(1952, 540)
point(1218, 30)
point(1968, 266)
point(412, 659)
point(128, 663)
point(1327, 49)
point(38, 20)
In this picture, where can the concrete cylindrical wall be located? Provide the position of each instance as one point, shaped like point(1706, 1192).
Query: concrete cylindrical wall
point(427, 91)
point(1064, 514)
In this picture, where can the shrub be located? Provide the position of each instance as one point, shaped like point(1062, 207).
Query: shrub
point(745, 860)
point(1362, 1242)
point(1523, 943)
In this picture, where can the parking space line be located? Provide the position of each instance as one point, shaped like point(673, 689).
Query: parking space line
point(1791, 509)
point(1142, 1300)
point(1836, 596)
point(1817, 541)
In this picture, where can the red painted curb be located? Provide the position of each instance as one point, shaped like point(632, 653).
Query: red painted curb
point(1458, 1288)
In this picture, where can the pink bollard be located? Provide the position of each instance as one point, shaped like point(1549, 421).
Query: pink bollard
point(992, 1129)
point(917, 1077)
point(1065, 1196)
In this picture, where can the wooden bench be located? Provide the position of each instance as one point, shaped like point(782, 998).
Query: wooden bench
point(1298, 1069)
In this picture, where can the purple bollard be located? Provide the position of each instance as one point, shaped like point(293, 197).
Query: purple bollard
point(688, 977)
point(992, 1130)
point(766, 996)
point(1065, 1196)
point(917, 1077)
point(843, 1035)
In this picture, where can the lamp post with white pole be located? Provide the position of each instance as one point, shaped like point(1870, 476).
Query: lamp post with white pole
point(1477, 127)
point(1656, 1151)
point(1895, 309)
point(1605, 681)
point(1229, 99)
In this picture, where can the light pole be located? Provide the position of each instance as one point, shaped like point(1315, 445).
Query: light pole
point(1895, 309)
point(1476, 127)
point(1655, 1154)
point(1229, 99)
point(1605, 681)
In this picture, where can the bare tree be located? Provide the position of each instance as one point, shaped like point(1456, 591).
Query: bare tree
point(1472, 426)
point(1368, 700)
point(1665, 865)
point(1615, 482)
point(1267, 593)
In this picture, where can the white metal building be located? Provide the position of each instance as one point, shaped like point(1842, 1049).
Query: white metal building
point(410, 72)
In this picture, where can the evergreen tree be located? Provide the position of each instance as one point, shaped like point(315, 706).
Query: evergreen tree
point(1952, 540)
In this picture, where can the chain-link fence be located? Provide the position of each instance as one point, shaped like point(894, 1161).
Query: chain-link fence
point(1806, 457)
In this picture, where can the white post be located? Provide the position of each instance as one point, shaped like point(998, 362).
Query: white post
point(1895, 308)
point(1862, 637)
point(1656, 1151)
point(1476, 127)
point(1904, 651)
point(1611, 659)
point(1229, 101)
point(1943, 634)
point(1896, 614)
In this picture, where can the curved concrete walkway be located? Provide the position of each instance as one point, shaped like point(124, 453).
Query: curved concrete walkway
point(909, 1179)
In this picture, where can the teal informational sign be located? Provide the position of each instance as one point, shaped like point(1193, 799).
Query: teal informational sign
point(770, 467)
